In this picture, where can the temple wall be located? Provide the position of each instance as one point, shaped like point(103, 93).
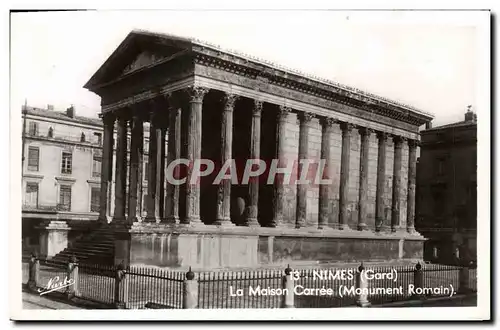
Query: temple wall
point(216, 250)
point(292, 134)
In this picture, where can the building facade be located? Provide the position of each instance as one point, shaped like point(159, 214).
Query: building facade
point(447, 191)
point(61, 168)
point(218, 105)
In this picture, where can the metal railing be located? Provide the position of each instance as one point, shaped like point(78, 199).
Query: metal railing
point(154, 288)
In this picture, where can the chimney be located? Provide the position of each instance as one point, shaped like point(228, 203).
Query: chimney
point(50, 107)
point(469, 115)
point(70, 112)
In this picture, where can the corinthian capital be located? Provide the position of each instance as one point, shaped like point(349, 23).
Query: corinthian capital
point(283, 112)
point(328, 122)
point(229, 100)
point(305, 117)
point(257, 107)
point(196, 93)
point(364, 131)
point(346, 127)
point(413, 143)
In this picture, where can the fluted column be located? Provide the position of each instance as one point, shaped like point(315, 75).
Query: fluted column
point(196, 95)
point(226, 141)
point(279, 195)
point(344, 175)
point(363, 176)
point(253, 183)
point(106, 168)
point(135, 176)
point(151, 209)
point(324, 189)
point(174, 152)
point(396, 183)
point(160, 168)
point(412, 175)
point(121, 170)
point(379, 199)
point(301, 212)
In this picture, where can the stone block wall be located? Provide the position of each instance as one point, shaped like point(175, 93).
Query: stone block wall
point(314, 152)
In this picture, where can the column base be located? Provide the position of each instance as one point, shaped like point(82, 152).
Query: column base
point(135, 219)
point(362, 226)
point(226, 222)
point(251, 222)
point(192, 222)
point(172, 219)
point(153, 219)
point(344, 226)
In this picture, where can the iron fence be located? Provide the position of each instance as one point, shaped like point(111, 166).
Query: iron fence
point(96, 283)
point(240, 289)
point(154, 288)
point(151, 287)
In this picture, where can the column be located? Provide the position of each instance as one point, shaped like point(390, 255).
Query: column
point(196, 95)
point(121, 170)
point(379, 199)
point(253, 183)
point(301, 212)
point(344, 175)
point(106, 168)
point(151, 209)
point(160, 167)
point(412, 175)
point(226, 144)
point(279, 195)
point(363, 176)
point(396, 183)
point(135, 177)
point(324, 189)
point(174, 152)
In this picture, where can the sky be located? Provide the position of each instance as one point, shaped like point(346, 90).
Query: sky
point(425, 59)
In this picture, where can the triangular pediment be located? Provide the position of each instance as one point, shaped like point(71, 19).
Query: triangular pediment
point(138, 50)
point(142, 60)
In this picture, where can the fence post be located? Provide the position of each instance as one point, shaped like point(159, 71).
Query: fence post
point(121, 287)
point(72, 277)
point(418, 280)
point(288, 286)
point(464, 277)
point(362, 285)
point(190, 291)
point(33, 272)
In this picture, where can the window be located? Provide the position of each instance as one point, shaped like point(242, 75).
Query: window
point(98, 138)
point(96, 166)
point(51, 132)
point(82, 137)
point(95, 196)
point(31, 199)
point(440, 167)
point(33, 158)
point(33, 128)
point(146, 171)
point(435, 252)
point(67, 159)
point(64, 198)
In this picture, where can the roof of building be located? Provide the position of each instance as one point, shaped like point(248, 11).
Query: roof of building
point(470, 120)
point(189, 42)
point(61, 116)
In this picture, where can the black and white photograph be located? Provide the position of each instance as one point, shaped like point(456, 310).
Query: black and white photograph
point(271, 164)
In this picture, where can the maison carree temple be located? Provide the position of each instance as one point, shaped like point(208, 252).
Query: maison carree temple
point(218, 105)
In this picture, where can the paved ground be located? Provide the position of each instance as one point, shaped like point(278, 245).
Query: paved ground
point(34, 301)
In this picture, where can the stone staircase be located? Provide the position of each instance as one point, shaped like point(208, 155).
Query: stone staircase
point(96, 248)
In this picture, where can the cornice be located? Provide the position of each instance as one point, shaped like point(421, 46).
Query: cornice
point(352, 97)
